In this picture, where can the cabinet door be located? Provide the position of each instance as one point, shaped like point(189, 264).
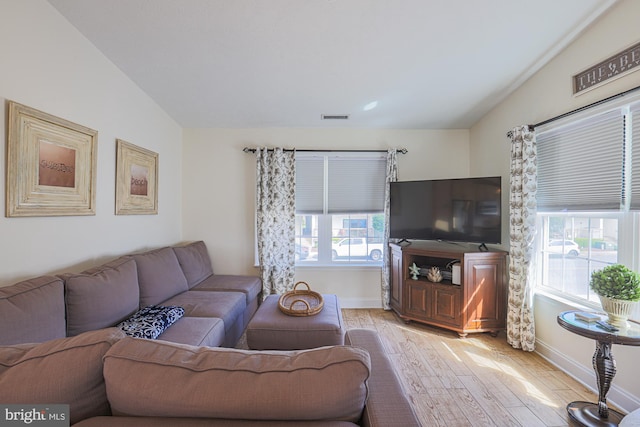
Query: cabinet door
point(446, 304)
point(396, 280)
point(486, 293)
point(417, 299)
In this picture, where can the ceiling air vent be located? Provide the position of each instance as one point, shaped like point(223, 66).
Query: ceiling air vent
point(335, 117)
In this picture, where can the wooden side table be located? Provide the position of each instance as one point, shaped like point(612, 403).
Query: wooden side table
point(598, 414)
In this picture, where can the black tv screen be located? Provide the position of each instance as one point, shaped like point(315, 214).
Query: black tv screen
point(455, 210)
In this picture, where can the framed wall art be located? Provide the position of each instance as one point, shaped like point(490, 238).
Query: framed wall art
point(136, 180)
point(51, 165)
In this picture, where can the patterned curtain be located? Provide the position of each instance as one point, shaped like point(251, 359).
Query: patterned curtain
point(276, 216)
point(522, 230)
point(391, 176)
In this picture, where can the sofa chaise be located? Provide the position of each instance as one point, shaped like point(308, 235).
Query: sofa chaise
point(111, 380)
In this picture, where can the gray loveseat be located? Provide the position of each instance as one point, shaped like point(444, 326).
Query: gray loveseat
point(58, 345)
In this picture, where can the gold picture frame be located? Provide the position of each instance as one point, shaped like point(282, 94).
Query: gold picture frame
point(51, 165)
point(136, 180)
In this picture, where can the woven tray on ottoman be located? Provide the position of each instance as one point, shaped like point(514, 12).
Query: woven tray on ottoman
point(271, 329)
point(301, 302)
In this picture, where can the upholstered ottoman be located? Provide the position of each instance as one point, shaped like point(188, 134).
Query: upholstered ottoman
point(271, 329)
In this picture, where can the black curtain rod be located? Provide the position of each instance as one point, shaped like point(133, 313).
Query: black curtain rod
point(400, 150)
point(578, 110)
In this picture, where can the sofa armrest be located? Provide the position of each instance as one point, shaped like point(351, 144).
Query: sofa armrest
point(387, 404)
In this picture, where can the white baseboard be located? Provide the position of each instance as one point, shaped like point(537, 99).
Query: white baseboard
point(617, 396)
point(360, 303)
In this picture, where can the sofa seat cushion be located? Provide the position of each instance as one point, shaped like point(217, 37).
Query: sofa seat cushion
point(151, 321)
point(228, 306)
point(251, 286)
point(201, 422)
point(32, 311)
point(61, 371)
point(101, 297)
point(195, 262)
point(159, 276)
point(328, 383)
point(200, 331)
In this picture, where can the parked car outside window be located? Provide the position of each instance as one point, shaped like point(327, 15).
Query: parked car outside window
point(564, 247)
point(302, 252)
point(356, 247)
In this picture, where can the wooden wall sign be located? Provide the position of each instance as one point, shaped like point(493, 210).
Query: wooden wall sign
point(616, 66)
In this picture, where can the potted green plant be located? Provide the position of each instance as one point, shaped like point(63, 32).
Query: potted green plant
point(619, 289)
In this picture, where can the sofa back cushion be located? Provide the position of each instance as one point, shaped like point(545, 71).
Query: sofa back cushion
point(61, 371)
point(32, 311)
point(103, 298)
point(159, 276)
point(195, 262)
point(327, 383)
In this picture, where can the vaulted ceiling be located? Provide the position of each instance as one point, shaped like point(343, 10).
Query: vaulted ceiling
point(410, 64)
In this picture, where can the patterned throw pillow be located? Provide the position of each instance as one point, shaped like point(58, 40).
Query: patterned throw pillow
point(151, 321)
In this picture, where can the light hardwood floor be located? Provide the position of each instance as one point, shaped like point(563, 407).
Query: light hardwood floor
point(476, 381)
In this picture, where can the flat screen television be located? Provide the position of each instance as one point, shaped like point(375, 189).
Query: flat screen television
point(455, 210)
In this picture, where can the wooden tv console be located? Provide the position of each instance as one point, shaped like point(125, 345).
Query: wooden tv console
point(477, 304)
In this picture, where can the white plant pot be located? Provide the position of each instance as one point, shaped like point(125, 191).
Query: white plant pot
point(617, 310)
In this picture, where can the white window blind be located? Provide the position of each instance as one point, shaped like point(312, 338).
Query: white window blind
point(356, 185)
point(580, 165)
point(309, 185)
point(635, 157)
point(351, 184)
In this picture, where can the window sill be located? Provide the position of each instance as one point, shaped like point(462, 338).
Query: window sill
point(339, 266)
point(575, 304)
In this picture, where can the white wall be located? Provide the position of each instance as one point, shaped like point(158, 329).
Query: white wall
point(48, 65)
point(219, 191)
point(545, 95)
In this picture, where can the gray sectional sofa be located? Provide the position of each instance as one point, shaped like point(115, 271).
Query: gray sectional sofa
point(61, 344)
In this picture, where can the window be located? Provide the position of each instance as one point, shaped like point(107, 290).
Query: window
point(339, 208)
point(572, 247)
point(588, 197)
